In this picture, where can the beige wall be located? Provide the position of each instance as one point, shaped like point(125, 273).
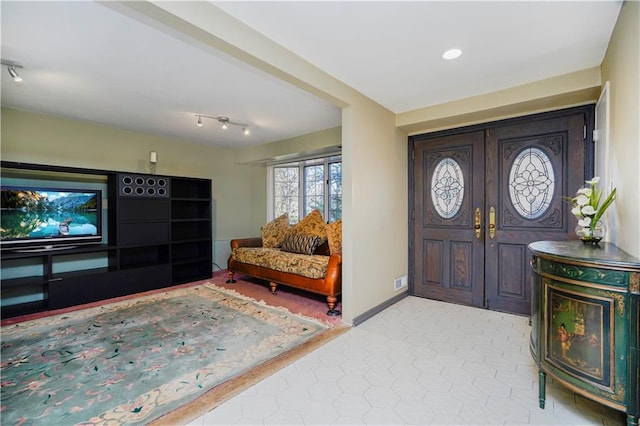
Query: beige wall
point(316, 143)
point(621, 68)
point(374, 155)
point(374, 178)
point(374, 144)
point(375, 198)
point(237, 190)
point(578, 88)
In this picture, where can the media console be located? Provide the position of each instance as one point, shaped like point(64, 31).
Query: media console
point(158, 233)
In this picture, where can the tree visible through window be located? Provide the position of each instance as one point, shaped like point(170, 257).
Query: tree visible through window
point(299, 188)
point(335, 191)
point(286, 190)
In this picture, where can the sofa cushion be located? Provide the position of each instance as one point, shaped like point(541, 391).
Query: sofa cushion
point(314, 267)
point(297, 243)
point(273, 233)
point(311, 224)
point(334, 235)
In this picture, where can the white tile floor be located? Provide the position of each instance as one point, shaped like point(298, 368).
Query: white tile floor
point(418, 362)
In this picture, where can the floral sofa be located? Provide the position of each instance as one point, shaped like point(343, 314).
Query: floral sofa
point(306, 256)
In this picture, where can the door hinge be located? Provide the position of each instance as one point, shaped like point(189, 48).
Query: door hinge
point(413, 154)
point(596, 135)
point(584, 132)
point(413, 214)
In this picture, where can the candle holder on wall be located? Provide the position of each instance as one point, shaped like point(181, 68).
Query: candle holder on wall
point(153, 160)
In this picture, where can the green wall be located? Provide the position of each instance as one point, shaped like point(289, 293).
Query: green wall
point(239, 199)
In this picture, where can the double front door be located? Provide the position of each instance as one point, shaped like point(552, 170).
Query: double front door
point(480, 197)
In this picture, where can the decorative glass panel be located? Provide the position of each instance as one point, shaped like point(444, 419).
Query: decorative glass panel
point(447, 187)
point(531, 183)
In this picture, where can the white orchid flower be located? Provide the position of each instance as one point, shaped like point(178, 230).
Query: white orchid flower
point(588, 211)
point(576, 211)
point(594, 181)
point(585, 191)
point(582, 200)
point(585, 222)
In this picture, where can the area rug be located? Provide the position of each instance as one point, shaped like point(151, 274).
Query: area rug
point(297, 301)
point(139, 360)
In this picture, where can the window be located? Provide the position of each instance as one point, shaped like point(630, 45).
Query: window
point(300, 187)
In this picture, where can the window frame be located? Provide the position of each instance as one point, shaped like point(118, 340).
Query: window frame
point(325, 161)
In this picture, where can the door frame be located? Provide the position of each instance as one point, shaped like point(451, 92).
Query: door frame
point(587, 110)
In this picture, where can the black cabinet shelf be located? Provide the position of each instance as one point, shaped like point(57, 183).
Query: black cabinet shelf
point(190, 188)
point(190, 261)
point(75, 274)
point(159, 233)
point(9, 284)
point(191, 228)
point(33, 253)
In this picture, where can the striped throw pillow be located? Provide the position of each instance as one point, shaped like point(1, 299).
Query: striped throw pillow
point(302, 244)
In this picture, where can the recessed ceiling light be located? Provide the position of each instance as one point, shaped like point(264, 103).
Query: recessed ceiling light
point(452, 53)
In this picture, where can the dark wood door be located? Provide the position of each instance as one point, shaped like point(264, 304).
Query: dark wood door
point(529, 168)
point(449, 189)
point(481, 197)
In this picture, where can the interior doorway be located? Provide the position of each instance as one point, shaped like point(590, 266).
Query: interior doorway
point(480, 195)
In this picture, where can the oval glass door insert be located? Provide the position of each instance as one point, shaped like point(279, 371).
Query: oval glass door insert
point(447, 187)
point(531, 183)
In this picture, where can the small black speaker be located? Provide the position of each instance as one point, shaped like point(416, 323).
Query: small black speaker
point(150, 186)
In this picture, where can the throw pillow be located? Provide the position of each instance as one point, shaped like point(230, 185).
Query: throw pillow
point(273, 232)
point(311, 224)
point(334, 235)
point(302, 244)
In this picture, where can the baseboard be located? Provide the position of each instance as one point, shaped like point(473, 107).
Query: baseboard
point(377, 309)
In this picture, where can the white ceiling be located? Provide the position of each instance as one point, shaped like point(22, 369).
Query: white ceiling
point(89, 61)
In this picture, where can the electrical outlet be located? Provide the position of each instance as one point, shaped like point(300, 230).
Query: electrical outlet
point(400, 282)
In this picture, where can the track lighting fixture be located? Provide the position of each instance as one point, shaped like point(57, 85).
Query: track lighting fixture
point(224, 121)
point(11, 68)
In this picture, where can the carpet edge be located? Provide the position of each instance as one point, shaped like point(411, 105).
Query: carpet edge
point(262, 302)
point(234, 386)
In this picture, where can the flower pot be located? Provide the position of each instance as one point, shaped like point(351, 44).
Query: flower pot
point(591, 235)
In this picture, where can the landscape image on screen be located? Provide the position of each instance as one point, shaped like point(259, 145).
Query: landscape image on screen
point(29, 214)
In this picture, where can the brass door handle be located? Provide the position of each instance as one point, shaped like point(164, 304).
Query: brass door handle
point(492, 222)
point(477, 223)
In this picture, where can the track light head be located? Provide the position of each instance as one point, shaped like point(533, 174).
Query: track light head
point(11, 68)
point(224, 121)
point(14, 74)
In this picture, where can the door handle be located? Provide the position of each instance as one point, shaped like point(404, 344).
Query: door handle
point(477, 222)
point(492, 222)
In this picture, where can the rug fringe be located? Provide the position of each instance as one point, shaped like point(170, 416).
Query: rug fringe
point(234, 293)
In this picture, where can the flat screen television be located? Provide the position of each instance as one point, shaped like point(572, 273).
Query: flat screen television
point(49, 218)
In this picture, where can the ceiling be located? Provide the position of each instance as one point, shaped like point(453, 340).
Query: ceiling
point(92, 62)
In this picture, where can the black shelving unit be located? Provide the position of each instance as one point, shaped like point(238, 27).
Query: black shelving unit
point(159, 234)
point(191, 241)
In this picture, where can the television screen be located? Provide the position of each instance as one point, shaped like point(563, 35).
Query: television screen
point(49, 216)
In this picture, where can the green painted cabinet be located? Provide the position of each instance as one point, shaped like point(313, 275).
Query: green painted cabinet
point(584, 320)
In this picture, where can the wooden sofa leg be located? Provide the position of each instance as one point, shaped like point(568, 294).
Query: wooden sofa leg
point(231, 280)
point(274, 287)
point(331, 302)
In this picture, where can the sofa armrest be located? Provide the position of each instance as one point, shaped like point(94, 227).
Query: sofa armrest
point(246, 242)
point(333, 278)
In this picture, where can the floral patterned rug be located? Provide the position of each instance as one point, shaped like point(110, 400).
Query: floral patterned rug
point(134, 361)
